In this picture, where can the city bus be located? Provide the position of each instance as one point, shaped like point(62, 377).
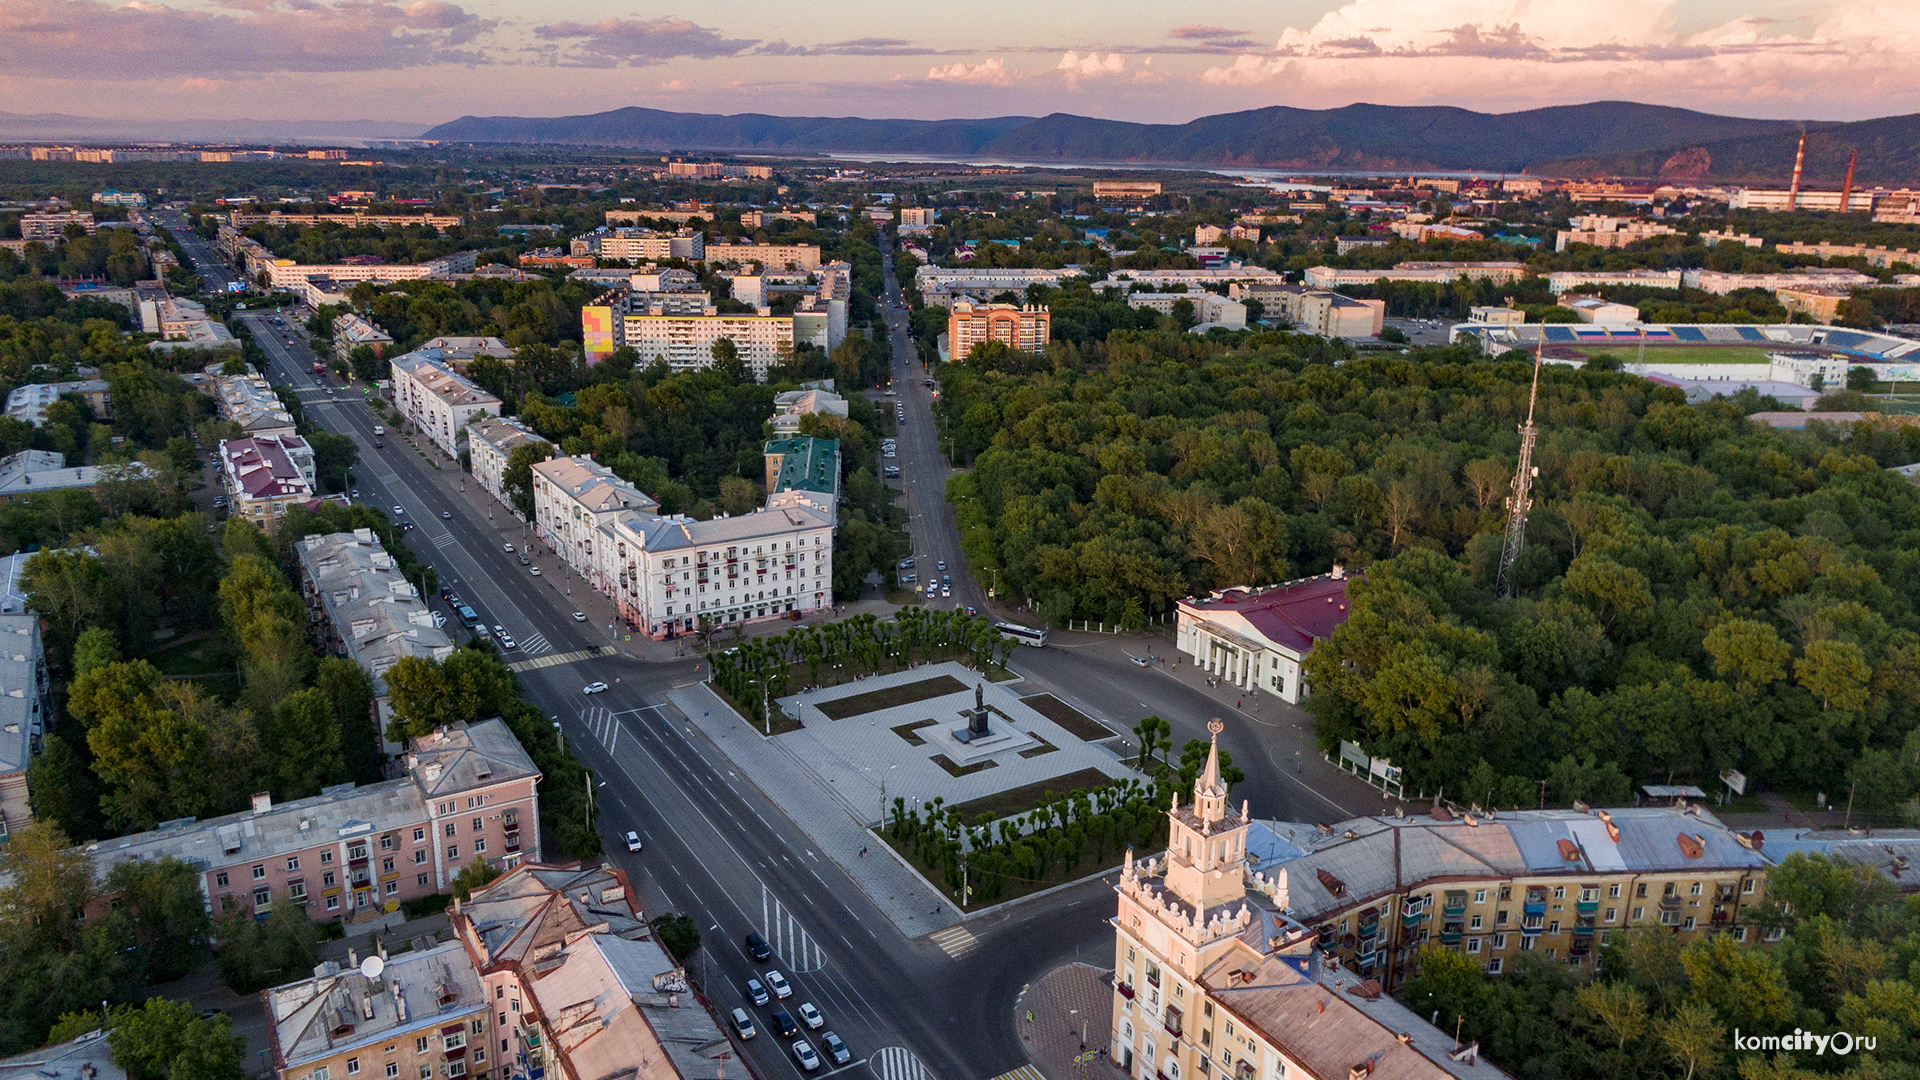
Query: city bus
point(1025, 635)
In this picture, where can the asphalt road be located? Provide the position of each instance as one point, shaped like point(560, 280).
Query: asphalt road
point(213, 273)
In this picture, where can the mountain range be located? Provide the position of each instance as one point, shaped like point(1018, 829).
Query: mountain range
point(62, 127)
point(1616, 138)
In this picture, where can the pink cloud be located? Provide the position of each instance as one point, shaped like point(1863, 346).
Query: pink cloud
point(990, 72)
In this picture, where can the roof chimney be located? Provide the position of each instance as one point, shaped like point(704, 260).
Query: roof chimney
point(262, 802)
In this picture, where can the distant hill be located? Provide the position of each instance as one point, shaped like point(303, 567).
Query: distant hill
point(1353, 137)
point(60, 127)
point(1889, 150)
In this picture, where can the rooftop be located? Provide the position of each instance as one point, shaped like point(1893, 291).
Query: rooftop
point(88, 1057)
point(268, 467)
point(377, 612)
point(336, 1011)
point(806, 464)
point(595, 487)
point(433, 376)
point(1292, 616)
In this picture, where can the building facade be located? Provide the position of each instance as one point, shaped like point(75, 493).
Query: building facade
point(768, 256)
point(685, 341)
point(671, 574)
point(360, 606)
point(490, 441)
point(572, 498)
point(1025, 327)
point(1327, 277)
point(437, 401)
point(1257, 639)
point(266, 476)
point(351, 331)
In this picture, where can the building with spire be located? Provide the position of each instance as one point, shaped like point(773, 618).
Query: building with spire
point(1213, 977)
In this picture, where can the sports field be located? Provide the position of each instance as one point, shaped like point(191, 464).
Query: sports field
point(1629, 353)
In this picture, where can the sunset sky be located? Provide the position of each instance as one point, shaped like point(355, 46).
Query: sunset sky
point(432, 60)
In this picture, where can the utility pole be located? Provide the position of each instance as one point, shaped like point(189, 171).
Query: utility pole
point(1522, 497)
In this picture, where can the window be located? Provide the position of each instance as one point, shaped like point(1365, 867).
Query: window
point(333, 903)
point(1526, 944)
point(1479, 896)
point(420, 1045)
point(353, 1066)
point(220, 879)
point(453, 852)
point(296, 890)
point(1206, 1008)
point(1475, 922)
point(320, 1073)
point(259, 871)
point(1688, 924)
point(1473, 945)
point(386, 842)
point(478, 1026)
point(419, 834)
point(479, 1054)
point(392, 887)
point(1695, 890)
point(1499, 941)
point(1559, 892)
point(1639, 913)
point(500, 994)
point(1747, 886)
point(393, 1069)
point(1640, 891)
point(503, 1019)
point(1611, 912)
point(449, 827)
point(293, 862)
point(419, 856)
point(514, 1004)
point(455, 1041)
point(426, 1072)
point(1613, 892)
point(1493, 965)
point(479, 845)
point(326, 858)
point(386, 866)
point(262, 896)
point(421, 880)
point(476, 825)
point(1500, 917)
point(327, 879)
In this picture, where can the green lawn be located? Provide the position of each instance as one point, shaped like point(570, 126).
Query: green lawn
point(887, 697)
point(207, 659)
point(1078, 724)
point(1014, 801)
point(1628, 353)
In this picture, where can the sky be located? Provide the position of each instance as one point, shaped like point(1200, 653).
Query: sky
point(428, 61)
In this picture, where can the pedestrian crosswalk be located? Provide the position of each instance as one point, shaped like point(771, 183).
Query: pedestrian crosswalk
point(1024, 1072)
point(789, 939)
point(899, 1063)
point(957, 940)
point(443, 540)
point(554, 658)
point(535, 643)
point(602, 723)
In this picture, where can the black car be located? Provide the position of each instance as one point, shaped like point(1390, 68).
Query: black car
point(783, 1023)
point(758, 948)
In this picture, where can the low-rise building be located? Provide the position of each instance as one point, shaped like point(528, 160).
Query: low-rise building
point(806, 464)
point(672, 573)
point(470, 792)
point(1496, 316)
point(50, 225)
point(790, 405)
point(940, 286)
point(249, 401)
point(1257, 639)
point(458, 350)
point(89, 1057)
point(25, 707)
point(1821, 303)
point(1874, 254)
point(360, 606)
point(1721, 282)
point(1344, 244)
point(437, 400)
point(350, 331)
point(1327, 277)
point(1575, 280)
point(587, 991)
point(420, 1015)
point(645, 245)
point(111, 197)
point(266, 476)
point(1593, 309)
point(1025, 327)
point(29, 403)
point(1599, 230)
point(1728, 236)
point(572, 498)
point(490, 441)
point(1209, 309)
point(1317, 311)
point(26, 473)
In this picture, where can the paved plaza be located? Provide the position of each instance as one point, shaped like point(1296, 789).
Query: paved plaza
point(914, 749)
point(1065, 1013)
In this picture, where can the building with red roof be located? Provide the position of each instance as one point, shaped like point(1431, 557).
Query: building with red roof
point(1256, 639)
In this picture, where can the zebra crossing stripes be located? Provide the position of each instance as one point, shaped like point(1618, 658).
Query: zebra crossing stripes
point(443, 540)
point(957, 940)
point(1024, 1072)
point(604, 726)
point(535, 643)
point(789, 939)
point(551, 659)
point(899, 1063)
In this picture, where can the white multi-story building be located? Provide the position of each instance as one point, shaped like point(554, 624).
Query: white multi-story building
point(249, 401)
point(768, 256)
point(1156, 280)
point(1208, 308)
point(669, 573)
point(490, 440)
point(686, 342)
point(437, 401)
point(940, 286)
point(1257, 639)
point(1575, 280)
point(639, 245)
point(572, 498)
point(1326, 277)
point(1721, 282)
point(1599, 230)
point(285, 273)
point(371, 612)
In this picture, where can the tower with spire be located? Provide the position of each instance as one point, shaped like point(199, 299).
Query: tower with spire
point(1207, 841)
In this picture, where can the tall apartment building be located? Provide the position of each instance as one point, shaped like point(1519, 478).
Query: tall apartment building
point(760, 219)
point(266, 476)
point(704, 170)
point(643, 245)
point(579, 986)
point(1124, 192)
point(1576, 280)
point(1026, 327)
point(664, 330)
point(435, 400)
point(768, 256)
point(470, 791)
point(1326, 277)
point(490, 441)
point(917, 218)
point(350, 331)
point(1212, 970)
point(360, 606)
point(1599, 230)
point(50, 225)
point(572, 498)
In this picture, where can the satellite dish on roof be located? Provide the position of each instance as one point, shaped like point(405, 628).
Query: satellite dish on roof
point(372, 966)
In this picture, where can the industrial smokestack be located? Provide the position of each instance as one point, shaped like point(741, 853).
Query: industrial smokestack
point(1793, 189)
point(1846, 189)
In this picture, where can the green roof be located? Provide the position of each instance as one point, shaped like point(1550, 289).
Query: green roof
point(807, 464)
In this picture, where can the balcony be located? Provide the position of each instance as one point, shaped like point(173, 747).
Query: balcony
point(1370, 929)
point(1412, 917)
point(1532, 927)
point(1587, 907)
point(1583, 928)
point(1123, 990)
point(1451, 937)
point(1531, 907)
point(1671, 902)
point(1153, 979)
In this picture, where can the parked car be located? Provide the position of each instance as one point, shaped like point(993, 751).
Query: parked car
point(755, 992)
point(906, 564)
point(779, 983)
point(579, 616)
point(633, 840)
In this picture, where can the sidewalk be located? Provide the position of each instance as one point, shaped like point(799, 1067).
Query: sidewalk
point(896, 890)
point(1071, 1011)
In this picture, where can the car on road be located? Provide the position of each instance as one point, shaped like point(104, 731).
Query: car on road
point(398, 510)
point(906, 564)
point(507, 642)
point(406, 526)
point(946, 591)
point(783, 1024)
point(743, 1024)
point(1140, 661)
point(633, 840)
point(594, 688)
point(379, 444)
point(811, 1017)
point(803, 1052)
point(535, 571)
point(926, 382)
point(836, 1050)
point(446, 515)
point(971, 610)
point(508, 548)
point(579, 616)
point(779, 983)
point(755, 992)
point(355, 494)
point(758, 948)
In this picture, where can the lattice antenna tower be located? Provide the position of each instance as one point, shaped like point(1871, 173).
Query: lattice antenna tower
point(1522, 497)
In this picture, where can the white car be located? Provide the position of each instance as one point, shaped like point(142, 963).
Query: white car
point(803, 1050)
point(534, 571)
point(779, 985)
point(633, 840)
point(579, 616)
point(398, 510)
point(811, 1017)
point(507, 642)
point(594, 688)
point(508, 548)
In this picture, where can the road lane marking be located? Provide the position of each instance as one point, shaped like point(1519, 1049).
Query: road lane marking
point(1024, 1072)
point(957, 940)
point(899, 1063)
point(552, 659)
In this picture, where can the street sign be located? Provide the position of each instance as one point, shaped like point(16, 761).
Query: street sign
point(1736, 780)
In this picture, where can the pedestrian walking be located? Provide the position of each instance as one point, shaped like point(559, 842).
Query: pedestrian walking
point(863, 853)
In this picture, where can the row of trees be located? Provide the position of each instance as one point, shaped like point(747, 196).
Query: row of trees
point(1657, 1008)
point(762, 668)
